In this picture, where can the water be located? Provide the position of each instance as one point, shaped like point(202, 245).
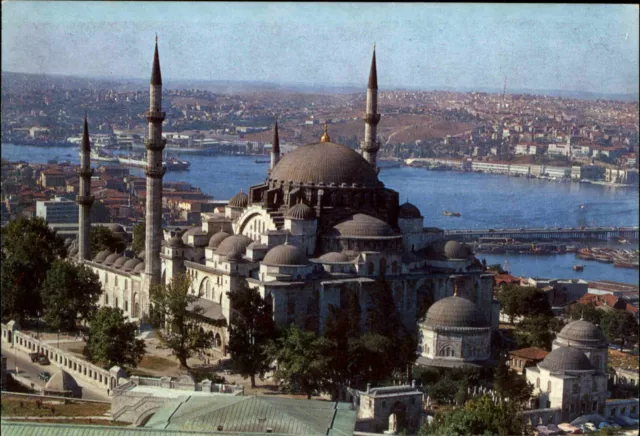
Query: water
point(483, 200)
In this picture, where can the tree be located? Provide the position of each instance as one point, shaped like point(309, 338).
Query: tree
point(29, 248)
point(139, 234)
point(508, 384)
point(70, 293)
point(537, 331)
point(620, 324)
point(523, 301)
point(99, 212)
point(302, 364)
point(102, 238)
point(588, 312)
point(250, 331)
point(112, 340)
point(185, 336)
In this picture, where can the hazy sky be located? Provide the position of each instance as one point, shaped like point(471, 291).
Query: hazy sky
point(565, 47)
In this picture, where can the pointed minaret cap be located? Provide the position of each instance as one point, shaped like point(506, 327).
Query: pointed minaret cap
point(275, 146)
point(85, 134)
point(373, 75)
point(455, 290)
point(325, 135)
point(156, 77)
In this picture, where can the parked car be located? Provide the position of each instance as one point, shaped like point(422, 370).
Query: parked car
point(44, 375)
point(43, 360)
point(34, 356)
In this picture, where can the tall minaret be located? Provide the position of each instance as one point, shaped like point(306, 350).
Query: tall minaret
point(371, 118)
point(84, 198)
point(154, 172)
point(275, 147)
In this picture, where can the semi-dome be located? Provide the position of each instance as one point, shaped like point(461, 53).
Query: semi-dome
point(566, 359)
point(142, 255)
point(334, 256)
point(175, 241)
point(233, 246)
point(217, 238)
point(130, 264)
point(285, 255)
point(300, 211)
point(192, 231)
point(120, 261)
point(582, 331)
point(456, 250)
point(361, 225)
point(139, 267)
point(100, 257)
point(111, 259)
point(61, 381)
point(239, 200)
point(325, 162)
point(455, 312)
point(408, 210)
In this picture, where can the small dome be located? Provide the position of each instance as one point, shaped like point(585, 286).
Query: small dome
point(130, 264)
point(408, 210)
point(255, 245)
point(455, 312)
point(73, 250)
point(239, 200)
point(67, 242)
point(175, 241)
point(217, 238)
point(285, 255)
point(334, 256)
point(361, 225)
point(233, 246)
point(61, 381)
point(101, 257)
point(582, 331)
point(120, 261)
point(139, 267)
point(142, 255)
point(192, 231)
point(115, 228)
point(566, 359)
point(111, 258)
point(300, 211)
point(456, 250)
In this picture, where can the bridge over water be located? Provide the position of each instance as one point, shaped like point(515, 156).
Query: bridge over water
point(550, 234)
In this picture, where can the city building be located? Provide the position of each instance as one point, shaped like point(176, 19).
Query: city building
point(521, 359)
point(389, 409)
point(57, 211)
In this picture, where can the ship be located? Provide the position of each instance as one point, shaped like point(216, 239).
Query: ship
point(448, 213)
point(263, 161)
point(172, 163)
point(102, 156)
point(578, 267)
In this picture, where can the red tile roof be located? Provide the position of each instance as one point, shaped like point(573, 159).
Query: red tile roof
point(532, 353)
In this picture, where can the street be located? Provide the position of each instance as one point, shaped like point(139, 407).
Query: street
point(31, 370)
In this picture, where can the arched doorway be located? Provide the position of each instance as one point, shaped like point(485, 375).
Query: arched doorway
point(398, 417)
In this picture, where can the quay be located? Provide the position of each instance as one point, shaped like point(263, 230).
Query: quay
point(539, 234)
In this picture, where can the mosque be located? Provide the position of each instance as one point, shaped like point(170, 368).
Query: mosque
point(320, 227)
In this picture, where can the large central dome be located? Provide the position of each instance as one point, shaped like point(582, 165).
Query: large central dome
point(325, 162)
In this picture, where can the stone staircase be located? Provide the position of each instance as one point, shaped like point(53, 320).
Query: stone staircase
point(277, 215)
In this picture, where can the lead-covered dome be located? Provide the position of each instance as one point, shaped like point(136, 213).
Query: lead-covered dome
point(239, 200)
point(455, 312)
point(130, 264)
point(115, 228)
point(217, 238)
point(361, 225)
point(139, 267)
point(408, 211)
point(120, 261)
point(301, 212)
point(110, 259)
point(456, 250)
point(286, 255)
point(566, 359)
point(334, 257)
point(325, 162)
point(582, 332)
point(233, 246)
point(100, 257)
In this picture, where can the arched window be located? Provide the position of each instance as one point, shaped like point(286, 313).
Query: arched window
point(116, 302)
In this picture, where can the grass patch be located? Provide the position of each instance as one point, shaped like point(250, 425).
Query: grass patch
point(105, 422)
point(76, 350)
point(156, 363)
point(139, 372)
point(36, 407)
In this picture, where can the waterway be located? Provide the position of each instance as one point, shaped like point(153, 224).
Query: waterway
point(483, 200)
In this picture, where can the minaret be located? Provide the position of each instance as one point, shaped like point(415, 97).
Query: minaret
point(154, 172)
point(84, 198)
point(371, 118)
point(275, 147)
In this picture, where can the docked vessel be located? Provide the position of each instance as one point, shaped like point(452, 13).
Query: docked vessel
point(578, 267)
point(172, 163)
point(102, 156)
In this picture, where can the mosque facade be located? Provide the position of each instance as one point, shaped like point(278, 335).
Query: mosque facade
point(320, 227)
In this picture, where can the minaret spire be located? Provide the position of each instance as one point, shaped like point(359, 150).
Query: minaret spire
point(275, 147)
point(154, 172)
point(370, 145)
point(84, 198)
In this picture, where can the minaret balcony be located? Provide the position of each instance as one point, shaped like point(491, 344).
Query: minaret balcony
point(85, 200)
point(155, 173)
point(85, 173)
point(155, 115)
point(155, 144)
point(371, 118)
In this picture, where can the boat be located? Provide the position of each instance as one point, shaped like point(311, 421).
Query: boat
point(448, 213)
point(172, 163)
point(258, 161)
point(103, 157)
point(578, 267)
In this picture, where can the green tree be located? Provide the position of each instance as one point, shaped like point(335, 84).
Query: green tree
point(302, 363)
point(138, 243)
point(102, 238)
point(112, 340)
point(250, 331)
point(29, 247)
point(588, 312)
point(523, 301)
point(174, 304)
point(509, 384)
point(620, 325)
point(537, 331)
point(70, 293)
point(99, 212)
point(495, 267)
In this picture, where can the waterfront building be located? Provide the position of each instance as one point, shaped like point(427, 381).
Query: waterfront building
point(57, 211)
point(320, 228)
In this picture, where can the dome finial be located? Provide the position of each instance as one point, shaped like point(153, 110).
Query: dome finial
point(325, 135)
point(455, 290)
point(582, 315)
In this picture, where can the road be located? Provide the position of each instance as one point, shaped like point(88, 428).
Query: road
point(31, 370)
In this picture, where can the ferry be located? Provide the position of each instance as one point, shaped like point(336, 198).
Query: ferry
point(172, 163)
point(103, 157)
point(578, 267)
point(448, 213)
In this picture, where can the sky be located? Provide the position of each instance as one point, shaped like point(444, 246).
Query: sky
point(592, 48)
